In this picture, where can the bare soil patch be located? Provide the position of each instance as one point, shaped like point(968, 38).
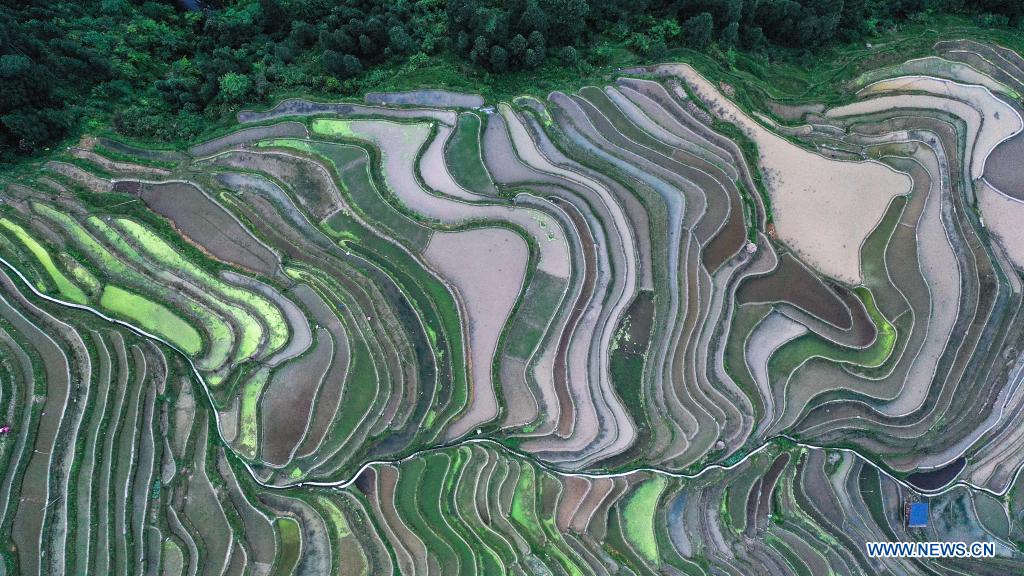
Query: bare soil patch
point(989, 119)
point(823, 208)
point(1003, 217)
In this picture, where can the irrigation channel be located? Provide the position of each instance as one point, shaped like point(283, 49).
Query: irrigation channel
point(1016, 381)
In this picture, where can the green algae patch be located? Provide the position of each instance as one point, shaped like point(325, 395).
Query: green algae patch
point(885, 340)
point(251, 333)
point(173, 559)
point(82, 275)
point(294, 143)
point(112, 267)
point(335, 516)
point(346, 551)
point(84, 240)
point(524, 502)
point(248, 417)
point(264, 308)
point(291, 542)
point(333, 128)
point(428, 421)
point(638, 516)
point(152, 317)
point(65, 287)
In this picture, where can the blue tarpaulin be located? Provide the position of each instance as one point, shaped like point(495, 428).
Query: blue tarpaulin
point(918, 515)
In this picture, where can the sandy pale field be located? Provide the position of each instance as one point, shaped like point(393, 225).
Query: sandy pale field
point(823, 208)
point(487, 267)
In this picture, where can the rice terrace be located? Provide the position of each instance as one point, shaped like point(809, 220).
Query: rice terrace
point(636, 327)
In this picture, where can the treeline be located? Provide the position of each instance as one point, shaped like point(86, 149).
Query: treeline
point(513, 34)
point(163, 69)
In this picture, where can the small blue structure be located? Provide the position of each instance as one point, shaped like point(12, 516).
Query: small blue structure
point(918, 516)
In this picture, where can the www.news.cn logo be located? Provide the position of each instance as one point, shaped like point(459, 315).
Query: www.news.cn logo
point(931, 549)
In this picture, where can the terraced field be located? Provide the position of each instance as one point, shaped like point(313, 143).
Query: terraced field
point(631, 329)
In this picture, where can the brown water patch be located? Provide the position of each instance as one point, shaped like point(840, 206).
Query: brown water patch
point(288, 400)
point(567, 412)
point(206, 223)
point(247, 135)
point(1003, 167)
point(729, 239)
point(792, 282)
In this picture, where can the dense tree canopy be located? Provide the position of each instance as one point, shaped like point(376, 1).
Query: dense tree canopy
point(159, 70)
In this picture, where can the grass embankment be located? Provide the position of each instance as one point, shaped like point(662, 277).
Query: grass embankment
point(463, 158)
point(432, 306)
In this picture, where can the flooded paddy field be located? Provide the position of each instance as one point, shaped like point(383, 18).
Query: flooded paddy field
point(635, 327)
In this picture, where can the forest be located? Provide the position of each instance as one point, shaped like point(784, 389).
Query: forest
point(165, 70)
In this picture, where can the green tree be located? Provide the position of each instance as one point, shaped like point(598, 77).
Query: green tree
point(753, 38)
point(538, 43)
point(569, 56)
point(399, 41)
point(303, 35)
point(366, 45)
point(234, 87)
point(533, 58)
point(697, 31)
point(499, 59)
point(517, 47)
point(730, 34)
point(341, 65)
point(533, 18)
point(566, 20)
point(479, 52)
